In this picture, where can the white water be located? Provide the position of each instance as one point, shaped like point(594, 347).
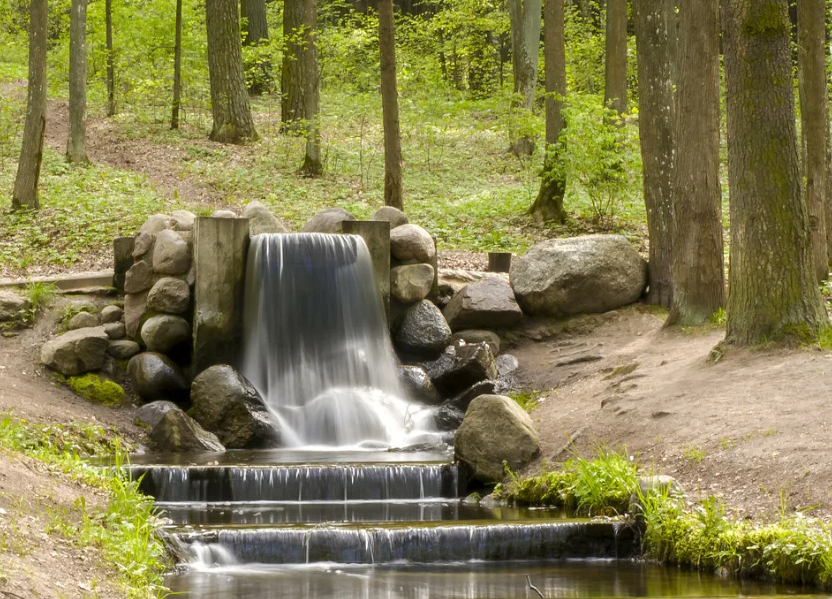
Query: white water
point(317, 347)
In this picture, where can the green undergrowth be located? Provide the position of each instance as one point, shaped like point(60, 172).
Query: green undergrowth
point(795, 549)
point(124, 530)
point(97, 389)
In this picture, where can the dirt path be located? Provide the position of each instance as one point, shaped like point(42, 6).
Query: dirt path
point(751, 428)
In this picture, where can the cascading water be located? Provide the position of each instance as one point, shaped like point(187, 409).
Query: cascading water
point(316, 344)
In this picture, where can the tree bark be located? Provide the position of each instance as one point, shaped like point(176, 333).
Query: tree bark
point(814, 112)
point(76, 148)
point(177, 69)
point(525, 45)
point(111, 67)
point(673, 40)
point(312, 162)
point(773, 295)
point(295, 41)
point(393, 185)
point(25, 193)
point(229, 99)
point(549, 203)
point(698, 275)
point(615, 58)
point(253, 12)
point(656, 129)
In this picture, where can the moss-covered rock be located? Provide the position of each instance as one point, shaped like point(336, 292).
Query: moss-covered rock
point(97, 389)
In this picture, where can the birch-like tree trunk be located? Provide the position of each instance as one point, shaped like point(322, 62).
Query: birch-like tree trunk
point(525, 46)
point(76, 147)
point(615, 58)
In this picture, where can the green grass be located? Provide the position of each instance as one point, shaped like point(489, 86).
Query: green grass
point(528, 400)
point(124, 530)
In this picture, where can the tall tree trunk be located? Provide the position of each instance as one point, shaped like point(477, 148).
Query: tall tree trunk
point(393, 186)
point(814, 112)
point(615, 58)
point(177, 69)
point(253, 12)
point(76, 147)
point(229, 99)
point(25, 193)
point(295, 41)
point(773, 295)
point(312, 162)
point(549, 202)
point(673, 39)
point(111, 59)
point(656, 129)
point(525, 46)
point(698, 275)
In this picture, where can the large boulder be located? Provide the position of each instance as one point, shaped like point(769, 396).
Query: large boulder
point(394, 216)
point(327, 221)
point(495, 430)
point(150, 414)
point(422, 330)
point(115, 330)
point(163, 332)
point(459, 367)
point(123, 349)
point(171, 254)
point(11, 305)
point(487, 303)
point(177, 432)
point(411, 283)
point(417, 385)
point(412, 242)
point(225, 403)
point(169, 295)
point(155, 376)
point(138, 278)
point(76, 352)
point(82, 320)
point(183, 220)
point(472, 336)
point(223, 214)
point(593, 273)
point(260, 220)
point(156, 223)
point(447, 418)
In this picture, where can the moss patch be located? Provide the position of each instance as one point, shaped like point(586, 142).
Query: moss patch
point(97, 389)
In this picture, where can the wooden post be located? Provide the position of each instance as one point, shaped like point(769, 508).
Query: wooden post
point(499, 261)
point(122, 260)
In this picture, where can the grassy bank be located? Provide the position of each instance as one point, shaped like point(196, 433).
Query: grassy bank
point(122, 528)
point(795, 549)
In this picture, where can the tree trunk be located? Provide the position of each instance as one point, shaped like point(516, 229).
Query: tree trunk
point(656, 129)
point(76, 148)
point(111, 62)
point(177, 69)
point(698, 276)
point(312, 163)
point(253, 13)
point(773, 295)
point(615, 63)
point(393, 186)
point(814, 112)
point(229, 100)
point(525, 46)
point(549, 202)
point(673, 40)
point(25, 193)
point(295, 41)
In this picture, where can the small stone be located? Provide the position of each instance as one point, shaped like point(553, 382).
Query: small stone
point(223, 214)
point(115, 330)
point(123, 349)
point(411, 283)
point(460, 367)
point(150, 414)
point(506, 364)
point(155, 224)
point(163, 332)
point(178, 432)
point(422, 330)
point(169, 295)
point(327, 221)
point(416, 384)
point(138, 278)
point(76, 352)
point(487, 303)
point(474, 336)
point(183, 220)
point(82, 320)
point(261, 221)
point(111, 313)
point(11, 305)
point(171, 254)
point(394, 216)
point(412, 242)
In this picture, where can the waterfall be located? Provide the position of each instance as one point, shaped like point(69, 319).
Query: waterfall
point(316, 344)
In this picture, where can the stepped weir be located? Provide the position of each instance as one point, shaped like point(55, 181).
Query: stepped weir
point(334, 514)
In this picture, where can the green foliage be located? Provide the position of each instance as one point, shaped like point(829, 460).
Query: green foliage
point(528, 400)
point(97, 389)
point(720, 317)
point(125, 530)
point(694, 454)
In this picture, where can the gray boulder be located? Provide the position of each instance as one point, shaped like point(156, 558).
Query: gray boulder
point(150, 414)
point(163, 332)
point(111, 313)
point(459, 367)
point(472, 336)
point(411, 283)
point(171, 254)
point(417, 385)
point(143, 244)
point(169, 295)
point(506, 364)
point(593, 273)
point(76, 352)
point(178, 432)
point(327, 221)
point(412, 242)
point(226, 403)
point(462, 400)
point(394, 216)
point(155, 376)
point(487, 303)
point(422, 330)
point(183, 220)
point(115, 330)
point(155, 224)
point(138, 278)
point(495, 430)
point(123, 349)
point(11, 304)
point(260, 220)
point(223, 214)
point(448, 418)
point(135, 312)
point(82, 320)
